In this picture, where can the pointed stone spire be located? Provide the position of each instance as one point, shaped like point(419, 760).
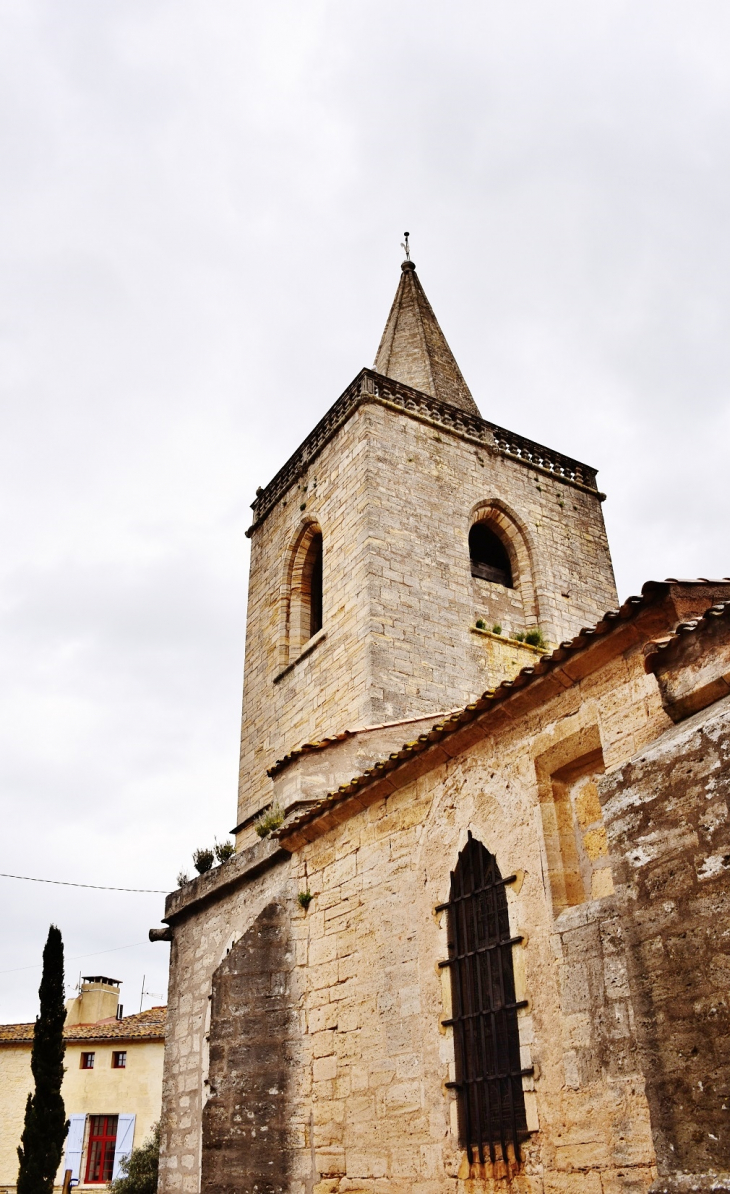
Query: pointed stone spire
point(414, 349)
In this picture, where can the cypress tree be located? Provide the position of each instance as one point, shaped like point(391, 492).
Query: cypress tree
point(46, 1125)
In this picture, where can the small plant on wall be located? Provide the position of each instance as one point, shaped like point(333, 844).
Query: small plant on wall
point(271, 818)
point(305, 898)
point(203, 860)
point(224, 850)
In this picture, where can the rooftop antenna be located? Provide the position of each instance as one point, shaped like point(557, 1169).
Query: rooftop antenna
point(404, 246)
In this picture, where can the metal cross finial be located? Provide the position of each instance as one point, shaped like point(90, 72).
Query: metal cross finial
point(404, 246)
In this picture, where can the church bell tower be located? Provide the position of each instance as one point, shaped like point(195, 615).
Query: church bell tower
point(408, 556)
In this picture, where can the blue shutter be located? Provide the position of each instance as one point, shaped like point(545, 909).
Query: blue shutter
point(74, 1145)
point(125, 1139)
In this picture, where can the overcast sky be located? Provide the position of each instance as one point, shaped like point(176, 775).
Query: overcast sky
point(200, 217)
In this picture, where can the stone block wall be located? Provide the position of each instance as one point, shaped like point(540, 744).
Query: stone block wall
point(373, 999)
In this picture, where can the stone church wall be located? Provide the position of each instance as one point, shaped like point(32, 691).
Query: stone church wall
point(327, 690)
point(374, 998)
point(366, 1109)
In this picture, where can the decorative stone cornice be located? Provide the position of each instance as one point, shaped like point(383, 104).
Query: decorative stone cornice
point(372, 387)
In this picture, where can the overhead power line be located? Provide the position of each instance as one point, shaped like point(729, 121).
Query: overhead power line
point(115, 949)
point(92, 886)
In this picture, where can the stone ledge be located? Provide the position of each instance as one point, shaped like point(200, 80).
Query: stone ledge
point(214, 884)
point(308, 647)
point(509, 642)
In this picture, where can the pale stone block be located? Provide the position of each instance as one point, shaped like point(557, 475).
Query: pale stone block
point(573, 1183)
point(602, 883)
point(324, 1068)
point(322, 949)
point(366, 1164)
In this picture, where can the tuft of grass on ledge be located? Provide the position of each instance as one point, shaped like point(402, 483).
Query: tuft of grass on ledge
point(271, 818)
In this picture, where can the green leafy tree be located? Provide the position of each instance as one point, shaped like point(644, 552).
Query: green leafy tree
point(46, 1125)
point(139, 1170)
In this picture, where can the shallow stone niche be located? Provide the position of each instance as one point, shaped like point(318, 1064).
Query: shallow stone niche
point(248, 1142)
point(210, 919)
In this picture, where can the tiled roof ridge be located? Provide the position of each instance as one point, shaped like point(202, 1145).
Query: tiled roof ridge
point(307, 748)
point(149, 1024)
point(323, 743)
point(651, 591)
point(658, 651)
point(369, 386)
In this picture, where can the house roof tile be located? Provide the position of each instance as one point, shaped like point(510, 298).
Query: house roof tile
point(149, 1025)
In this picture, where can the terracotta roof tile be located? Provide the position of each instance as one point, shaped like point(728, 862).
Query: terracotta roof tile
point(322, 743)
point(659, 650)
point(149, 1025)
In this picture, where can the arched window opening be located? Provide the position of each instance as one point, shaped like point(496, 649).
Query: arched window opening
point(302, 598)
point(489, 558)
point(484, 1009)
point(312, 586)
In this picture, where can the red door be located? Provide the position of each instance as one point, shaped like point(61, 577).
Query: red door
point(102, 1142)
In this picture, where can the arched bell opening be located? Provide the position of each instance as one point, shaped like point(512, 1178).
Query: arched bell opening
point(488, 555)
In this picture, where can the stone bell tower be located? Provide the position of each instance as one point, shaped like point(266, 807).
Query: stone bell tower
point(403, 553)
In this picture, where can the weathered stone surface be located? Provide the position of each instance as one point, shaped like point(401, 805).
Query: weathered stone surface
point(693, 671)
point(367, 1104)
point(204, 931)
point(247, 1135)
point(668, 822)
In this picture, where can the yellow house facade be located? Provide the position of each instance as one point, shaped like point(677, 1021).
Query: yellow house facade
point(112, 1087)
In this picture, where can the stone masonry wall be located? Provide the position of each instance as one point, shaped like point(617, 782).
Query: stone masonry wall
point(327, 690)
point(373, 998)
point(668, 818)
point(394, 497)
